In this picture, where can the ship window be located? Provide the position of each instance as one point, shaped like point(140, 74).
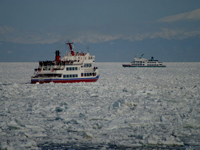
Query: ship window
point(72, 68)
point(81, 74)
point(49, 75)
point(76, 68)
point(87, 65)
point(85, 74)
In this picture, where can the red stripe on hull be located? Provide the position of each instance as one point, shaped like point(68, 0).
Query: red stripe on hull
point(66, 81)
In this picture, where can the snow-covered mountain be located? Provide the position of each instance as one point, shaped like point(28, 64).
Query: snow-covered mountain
point(185, 50)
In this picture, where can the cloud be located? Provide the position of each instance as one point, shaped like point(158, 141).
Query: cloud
point(87, 36)
point(191, 15)
point(8, 34)
point(164, 33)
point(170, 34)
point(95, 38)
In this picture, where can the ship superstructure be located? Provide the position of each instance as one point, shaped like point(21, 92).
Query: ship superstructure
point(142, 62)
point(73, 67)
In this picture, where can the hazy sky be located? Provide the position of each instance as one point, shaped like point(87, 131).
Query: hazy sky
point(97, 21)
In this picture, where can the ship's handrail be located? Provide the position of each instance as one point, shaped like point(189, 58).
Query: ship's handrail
point(50, 63)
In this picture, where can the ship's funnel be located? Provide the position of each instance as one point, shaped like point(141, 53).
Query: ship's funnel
point(57, 58)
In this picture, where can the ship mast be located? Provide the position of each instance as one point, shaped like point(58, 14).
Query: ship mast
point(71, 49)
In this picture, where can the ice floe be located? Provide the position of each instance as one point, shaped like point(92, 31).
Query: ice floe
point(126, 108)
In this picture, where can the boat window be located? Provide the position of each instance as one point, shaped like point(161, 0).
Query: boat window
point(70, 76)
point(49, 75)
point(87, 65)
point(72, 68)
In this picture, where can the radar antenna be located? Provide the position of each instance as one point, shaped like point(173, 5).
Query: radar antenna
point(141, 56)
point(88, 48)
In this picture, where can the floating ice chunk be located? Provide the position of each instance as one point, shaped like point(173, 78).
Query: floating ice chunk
point(27, 134)
point(13, 125)
point(131, 104)
point(88, 135)
point(152, 142)
point(94, 95)
point(97, 126)
point(122, 101)
point(15, 85)
point(58, 109)
point(116, 104)
point(29, 144)
point(19, 123)
point(39, 135)
point(35, 128)
point(151, 92)
point(2, 133)
point(124, 90)
point(81, 115)
point(3, 145)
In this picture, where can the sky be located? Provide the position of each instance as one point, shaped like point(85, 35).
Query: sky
point(114, 30)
